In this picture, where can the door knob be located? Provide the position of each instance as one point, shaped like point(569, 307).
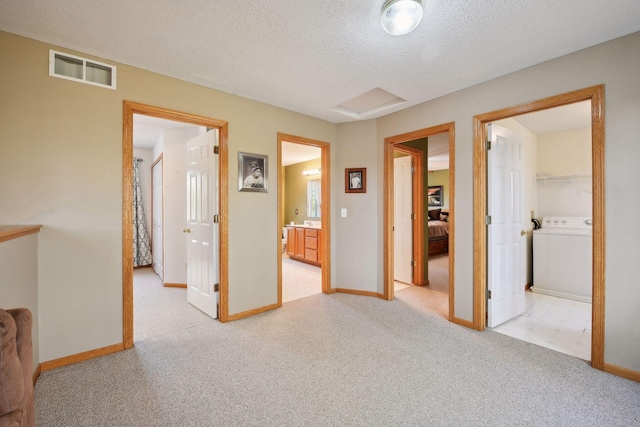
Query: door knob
point(524, 233)
point(186, 230)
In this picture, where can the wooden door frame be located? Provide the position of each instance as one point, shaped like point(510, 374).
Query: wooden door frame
point(595, 94)
point(417, 201)
point(389, 146)
point(325, 209)
point(129, 109)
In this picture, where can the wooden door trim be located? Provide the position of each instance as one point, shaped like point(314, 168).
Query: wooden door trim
point(595, 94)
point(129, 109)
point(325, 209)
point(417, 201)
point(389, 144)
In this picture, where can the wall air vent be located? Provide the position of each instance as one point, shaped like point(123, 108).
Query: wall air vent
point(83, 70)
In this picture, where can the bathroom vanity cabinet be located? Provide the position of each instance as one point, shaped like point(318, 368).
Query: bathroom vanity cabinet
point(303, 244)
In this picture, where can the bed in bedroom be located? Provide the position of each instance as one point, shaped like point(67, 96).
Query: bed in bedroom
point(438, 232)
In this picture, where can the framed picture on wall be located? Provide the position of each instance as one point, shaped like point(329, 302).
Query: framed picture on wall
point(355, 180)
point(252, 172)
point(436, 195)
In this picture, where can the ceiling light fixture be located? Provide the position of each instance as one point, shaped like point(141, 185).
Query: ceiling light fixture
point(400, 17)
point(312, 172)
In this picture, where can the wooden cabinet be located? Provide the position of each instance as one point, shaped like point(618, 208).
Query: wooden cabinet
point(303, 244)
point(291, 241)
point(299, 252)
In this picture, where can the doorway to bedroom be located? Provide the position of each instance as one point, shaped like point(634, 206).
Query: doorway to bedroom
point(419, 217)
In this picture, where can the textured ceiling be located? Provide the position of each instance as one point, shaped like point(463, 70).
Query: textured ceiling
point(311, 56)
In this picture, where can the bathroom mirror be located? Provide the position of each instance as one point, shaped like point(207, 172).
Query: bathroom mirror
point(314, 198)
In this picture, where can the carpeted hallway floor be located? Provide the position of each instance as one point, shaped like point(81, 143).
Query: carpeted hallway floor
point(329, 360)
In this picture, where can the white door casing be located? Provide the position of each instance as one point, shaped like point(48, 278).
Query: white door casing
point(506, 268)
point(202, 232)
point(402, 220)
point(157, 226)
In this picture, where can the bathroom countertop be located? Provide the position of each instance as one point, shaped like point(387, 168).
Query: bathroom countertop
point(304, 226)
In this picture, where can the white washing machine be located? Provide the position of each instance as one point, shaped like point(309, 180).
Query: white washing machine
point(562, 257)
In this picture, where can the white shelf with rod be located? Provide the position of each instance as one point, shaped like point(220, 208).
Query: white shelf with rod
point(560, 178)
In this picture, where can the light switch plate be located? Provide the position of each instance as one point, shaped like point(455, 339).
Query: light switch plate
point(343, 212)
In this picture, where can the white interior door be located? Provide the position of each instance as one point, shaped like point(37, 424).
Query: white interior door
point(157, 226)
point(202, 231)
point(402, 220)
point(506, 274)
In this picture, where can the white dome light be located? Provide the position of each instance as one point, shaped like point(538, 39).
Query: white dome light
point(400, 17)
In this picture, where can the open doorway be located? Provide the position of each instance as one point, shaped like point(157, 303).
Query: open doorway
point(165, 152)
point(431, 259)
point(483, 221)
point(556, 211)
point(129, 110)
point(303, 218)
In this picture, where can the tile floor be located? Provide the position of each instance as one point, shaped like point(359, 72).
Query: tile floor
point(299, 279)
point(399, 286)
point(560, 324)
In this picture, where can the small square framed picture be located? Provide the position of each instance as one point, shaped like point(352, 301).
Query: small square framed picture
point(355, 180)
point(252, 172)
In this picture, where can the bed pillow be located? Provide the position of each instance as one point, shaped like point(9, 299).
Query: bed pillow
point(434, 214)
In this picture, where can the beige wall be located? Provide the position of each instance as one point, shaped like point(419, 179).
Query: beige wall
point(355, 238)
point(614, 64)
point(564, 154)
point(61, 166)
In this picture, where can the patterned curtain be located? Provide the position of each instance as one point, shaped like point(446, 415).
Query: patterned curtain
point(141, 245)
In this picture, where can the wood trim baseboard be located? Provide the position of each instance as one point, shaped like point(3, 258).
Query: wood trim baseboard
point(252, 312)
point(81, 357)
point(36, 374)
point(622, 372)
point(363, 293)
point(175, 285)
point(462, 322)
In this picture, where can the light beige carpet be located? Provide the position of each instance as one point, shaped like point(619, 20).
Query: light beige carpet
point(330, 360)
point(439, 273)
